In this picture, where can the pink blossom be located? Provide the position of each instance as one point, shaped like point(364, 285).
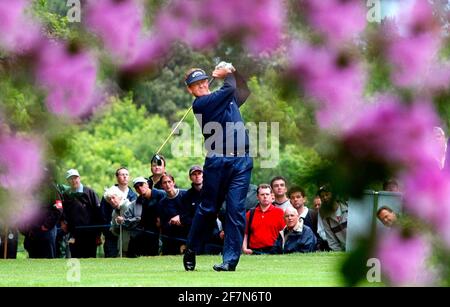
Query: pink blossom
point(417, 19)
point(403, 260)
point(21, 165)
point(69, 78)
point(334, 80)
point(176, 20)
point(149, 52)
point(413, 47)
point(257, 23)
point(337, 20)
point(412, 58)
point(426, 191)
point(118, 23)
point(183, 21)
point(18, 32)
point(437, 78)
point(395, 133)
point(22, 209)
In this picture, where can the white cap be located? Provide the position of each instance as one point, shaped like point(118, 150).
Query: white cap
point(139, 180)
point(72, 172)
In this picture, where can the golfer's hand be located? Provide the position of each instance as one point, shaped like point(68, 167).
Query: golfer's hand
point(221, 73)
point(225, 65)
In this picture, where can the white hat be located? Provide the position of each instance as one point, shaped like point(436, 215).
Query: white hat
point(72, 172)
point(139, 180)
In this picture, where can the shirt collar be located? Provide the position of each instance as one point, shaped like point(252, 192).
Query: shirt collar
point(79, 190)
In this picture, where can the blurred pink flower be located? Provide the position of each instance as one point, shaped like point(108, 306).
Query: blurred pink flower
point(201, 24)
point(21, 163)
point(118, 23)
point(395, 133)
point(413, 47)
point(417, 18)
point(412, 58)
point(437, 79)
point(150, 51)
point(22, 209)
point(69, 78)
point(426, 191)
point(337, 20)
point(19, 33)
point(257, 23)
point(403, 260)
point(335, 81)
point(184, 21)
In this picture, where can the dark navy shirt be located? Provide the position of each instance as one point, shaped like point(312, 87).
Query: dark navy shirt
point(150, 209)
point(220, 109)
point(170, 207)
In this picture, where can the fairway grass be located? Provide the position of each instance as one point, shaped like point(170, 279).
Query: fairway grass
point(294, 270)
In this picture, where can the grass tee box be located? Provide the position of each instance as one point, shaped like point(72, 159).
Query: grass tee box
point(294, 270)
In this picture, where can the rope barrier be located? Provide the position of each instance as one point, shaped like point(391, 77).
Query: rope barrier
point(108, 226)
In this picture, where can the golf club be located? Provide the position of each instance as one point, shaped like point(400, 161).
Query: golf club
point(178, 124)
point(222, 64)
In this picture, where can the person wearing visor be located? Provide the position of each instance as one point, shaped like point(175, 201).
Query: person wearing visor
point(227, 168)
point(158, 169)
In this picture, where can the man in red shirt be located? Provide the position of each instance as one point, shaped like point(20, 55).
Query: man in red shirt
point(263, 223)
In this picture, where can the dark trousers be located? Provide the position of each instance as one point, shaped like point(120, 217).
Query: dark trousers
point(41, 244)
point(111, 245)
point(85, 245)
point(173, 238)
point(143, 243)
point(224, 178)
point(11, 247)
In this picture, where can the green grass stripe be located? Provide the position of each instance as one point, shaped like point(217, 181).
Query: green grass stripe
point(317, 269)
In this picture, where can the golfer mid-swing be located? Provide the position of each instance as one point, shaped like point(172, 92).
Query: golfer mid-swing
point(228, 166)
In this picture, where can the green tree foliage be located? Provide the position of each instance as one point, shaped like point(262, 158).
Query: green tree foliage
point(297, 164)
point(119, 135)
point(18, 102)
point(264, 105)
point(128, 131)
point(267, 104)
point(164, 91)
point(52, 13)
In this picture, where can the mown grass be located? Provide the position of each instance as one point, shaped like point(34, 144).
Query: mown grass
point(318, 269)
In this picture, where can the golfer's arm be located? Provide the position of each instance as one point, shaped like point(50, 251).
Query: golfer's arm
point(217, 100)
point(242, 91)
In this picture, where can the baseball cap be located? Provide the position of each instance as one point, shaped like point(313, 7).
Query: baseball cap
point(72, 172)
point(195, 168)
point(196, 75)
point(139, 180)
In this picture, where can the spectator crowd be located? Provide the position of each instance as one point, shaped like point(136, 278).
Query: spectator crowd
point(153, 217)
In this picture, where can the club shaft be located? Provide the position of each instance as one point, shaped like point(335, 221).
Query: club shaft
point(178, 124)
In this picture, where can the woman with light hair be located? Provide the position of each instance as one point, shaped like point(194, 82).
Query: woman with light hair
point(120, 203)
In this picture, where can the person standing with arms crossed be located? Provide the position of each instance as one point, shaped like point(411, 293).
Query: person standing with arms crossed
point(228, 166)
